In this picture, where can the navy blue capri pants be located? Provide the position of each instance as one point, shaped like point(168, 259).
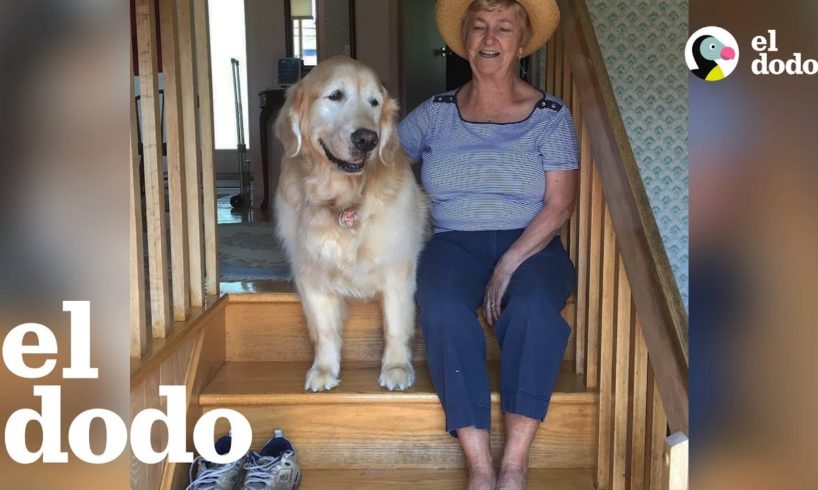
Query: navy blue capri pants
point(454, 269)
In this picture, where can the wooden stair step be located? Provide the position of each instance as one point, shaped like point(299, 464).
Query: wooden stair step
point(552, 479)
point(277, 383)
point(360, 425)
point(272, 327)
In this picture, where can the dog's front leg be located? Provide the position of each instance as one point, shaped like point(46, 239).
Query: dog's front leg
point(325, 314)
point(399, 328)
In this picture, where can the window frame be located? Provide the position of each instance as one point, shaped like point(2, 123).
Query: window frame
point(319, 6)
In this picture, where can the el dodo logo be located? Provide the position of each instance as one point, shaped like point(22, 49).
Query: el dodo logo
point(711, 53)
point(16, 356)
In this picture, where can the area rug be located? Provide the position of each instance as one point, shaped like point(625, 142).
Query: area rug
point(251, 252)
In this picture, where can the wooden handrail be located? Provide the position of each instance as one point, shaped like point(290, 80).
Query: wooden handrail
point(655, 294)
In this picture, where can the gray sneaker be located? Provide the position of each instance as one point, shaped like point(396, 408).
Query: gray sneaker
point(274, 468)
point(214, 476)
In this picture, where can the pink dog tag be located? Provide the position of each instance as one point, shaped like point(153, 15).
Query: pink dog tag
point(347, 218)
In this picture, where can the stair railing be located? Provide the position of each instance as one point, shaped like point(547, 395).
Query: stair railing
point(180, 285)
point(630, 324)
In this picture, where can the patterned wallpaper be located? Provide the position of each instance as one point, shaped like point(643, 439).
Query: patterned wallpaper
point(336, 27)
point(643, 46)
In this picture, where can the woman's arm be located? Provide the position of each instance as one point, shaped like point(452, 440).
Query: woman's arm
point(558, 201)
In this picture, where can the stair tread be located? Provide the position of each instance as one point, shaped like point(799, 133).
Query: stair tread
point(275, 382)
point(284, 292)
point(418, 479)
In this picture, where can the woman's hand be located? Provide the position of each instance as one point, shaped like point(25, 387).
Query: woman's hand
point(557, 208)
point(495, 290)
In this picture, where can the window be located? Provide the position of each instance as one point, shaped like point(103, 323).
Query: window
point(227, 40)
point(305, 40)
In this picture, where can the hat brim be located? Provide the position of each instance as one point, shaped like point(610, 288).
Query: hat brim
point(543, 14)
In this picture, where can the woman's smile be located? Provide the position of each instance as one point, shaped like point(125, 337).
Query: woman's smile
point(494, 36)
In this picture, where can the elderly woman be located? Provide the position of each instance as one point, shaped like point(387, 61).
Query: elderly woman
point(499, 163)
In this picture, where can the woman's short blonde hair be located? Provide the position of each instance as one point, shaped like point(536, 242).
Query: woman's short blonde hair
point(490, 6)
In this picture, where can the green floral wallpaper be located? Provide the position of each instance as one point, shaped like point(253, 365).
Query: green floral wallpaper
point(643, 46)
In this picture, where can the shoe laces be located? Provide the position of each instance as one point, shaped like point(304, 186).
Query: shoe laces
point(263, 469)
point(208, 477)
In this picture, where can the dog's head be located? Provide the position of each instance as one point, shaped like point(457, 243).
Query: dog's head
point(341, 115)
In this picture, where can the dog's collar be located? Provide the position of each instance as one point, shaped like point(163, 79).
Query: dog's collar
point(348, 218)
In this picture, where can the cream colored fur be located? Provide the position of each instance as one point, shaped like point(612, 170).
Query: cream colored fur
point(377, 257)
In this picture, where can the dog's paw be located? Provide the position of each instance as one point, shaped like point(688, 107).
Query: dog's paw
point(397, 377)
point(320, 380)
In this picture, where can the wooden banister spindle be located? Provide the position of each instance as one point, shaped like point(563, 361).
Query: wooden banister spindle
point(176, 158)
point(559, 56)
point(657, 424)
point(594, 279)
point(573, 239)
point(152, 158)
point(639, 419)
point(576, 111)
point(559, 67)
point(537, 68)
point(606, 367)
point(204, 81)
point(567, 76)
point(550, 64)
point(193, 172)
point(621, 383)
point(583, 228)
point(138, 316)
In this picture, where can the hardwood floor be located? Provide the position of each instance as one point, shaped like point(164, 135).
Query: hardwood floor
point(226, 214)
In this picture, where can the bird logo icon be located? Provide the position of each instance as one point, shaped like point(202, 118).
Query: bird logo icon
point(711, 53)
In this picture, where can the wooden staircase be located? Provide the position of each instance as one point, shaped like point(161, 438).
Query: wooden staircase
point(359, 434)
point(360, 427)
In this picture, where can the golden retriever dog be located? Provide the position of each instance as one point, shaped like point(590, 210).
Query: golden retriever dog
point(350, 214)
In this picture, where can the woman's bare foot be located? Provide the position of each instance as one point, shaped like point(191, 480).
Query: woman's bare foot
point(511, 478)
point(482, 480)
point(477, 449)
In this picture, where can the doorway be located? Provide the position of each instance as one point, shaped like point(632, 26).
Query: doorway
point(428, 67)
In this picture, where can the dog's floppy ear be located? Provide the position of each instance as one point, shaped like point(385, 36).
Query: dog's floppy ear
point(288, 123)
point(389, 140)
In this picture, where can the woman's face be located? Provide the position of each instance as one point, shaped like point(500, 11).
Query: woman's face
point(493, 41)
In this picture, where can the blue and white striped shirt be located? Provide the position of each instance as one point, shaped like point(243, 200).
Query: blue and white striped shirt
point(487, 176)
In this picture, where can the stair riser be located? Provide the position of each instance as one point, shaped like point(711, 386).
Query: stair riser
point(410, 435)
point(278, 332)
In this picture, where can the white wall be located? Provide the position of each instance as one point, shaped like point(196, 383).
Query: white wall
point(227, 42)
point(265, 45)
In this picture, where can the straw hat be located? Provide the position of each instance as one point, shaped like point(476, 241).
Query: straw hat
point(543, 14)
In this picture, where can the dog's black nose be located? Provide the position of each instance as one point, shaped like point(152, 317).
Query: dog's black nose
point(365, 139)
